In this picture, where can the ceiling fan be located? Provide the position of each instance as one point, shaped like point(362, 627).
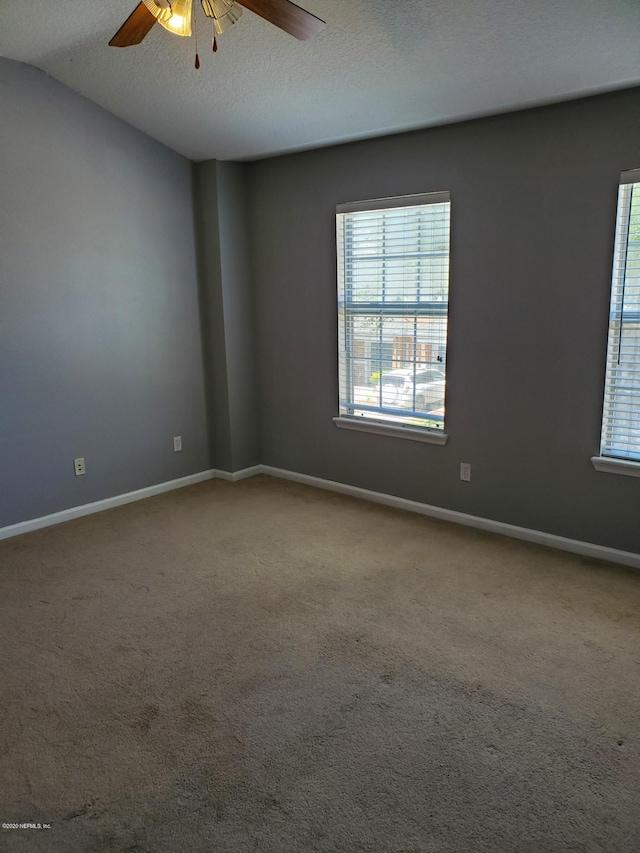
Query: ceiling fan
point(176, 16)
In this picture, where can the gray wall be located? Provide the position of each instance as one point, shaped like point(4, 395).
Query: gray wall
point(533, 210)
point(103, 328)
point(238, 314)
point(207, 229)
point(100, 350)
point(227, 310)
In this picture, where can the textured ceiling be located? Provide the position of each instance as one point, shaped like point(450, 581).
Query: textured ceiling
point(379, 66)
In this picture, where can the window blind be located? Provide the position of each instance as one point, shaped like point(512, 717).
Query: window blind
point(393, 290)
point(621, 410)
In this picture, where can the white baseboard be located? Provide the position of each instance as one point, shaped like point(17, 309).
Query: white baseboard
point(233, 477)
point(575, 546)
point(99, 506)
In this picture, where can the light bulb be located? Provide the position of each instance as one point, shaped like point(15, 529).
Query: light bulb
point(175, 24)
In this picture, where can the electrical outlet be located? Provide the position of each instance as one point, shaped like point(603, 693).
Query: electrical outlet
point(465, 471)
point(177, 443)
point(78, 466)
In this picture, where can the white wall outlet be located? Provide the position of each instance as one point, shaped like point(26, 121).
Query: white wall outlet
point(177, 443)
point(465, 471)
point(78, 466)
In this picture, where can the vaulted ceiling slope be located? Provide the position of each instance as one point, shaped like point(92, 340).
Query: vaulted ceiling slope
point(379, 66)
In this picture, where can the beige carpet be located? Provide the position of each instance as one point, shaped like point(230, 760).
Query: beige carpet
point(263, 666)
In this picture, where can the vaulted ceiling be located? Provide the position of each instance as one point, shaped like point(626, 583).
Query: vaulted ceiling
point(379, 66)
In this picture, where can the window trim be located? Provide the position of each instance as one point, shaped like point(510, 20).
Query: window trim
point(416, 200)
point(608, 460)
point(361, 423)
point(613, 465)
point(631, 176)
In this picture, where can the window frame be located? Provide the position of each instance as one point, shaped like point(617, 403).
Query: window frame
point(622, 462)
point(377, 423)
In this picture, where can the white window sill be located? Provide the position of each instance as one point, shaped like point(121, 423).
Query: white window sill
point(616, 466)
point(363, 425)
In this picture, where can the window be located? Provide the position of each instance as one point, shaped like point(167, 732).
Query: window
point(621, 410)
point(393, 292)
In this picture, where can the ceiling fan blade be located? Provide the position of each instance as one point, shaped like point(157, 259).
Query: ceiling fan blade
point(134, 28)
point(286, 15)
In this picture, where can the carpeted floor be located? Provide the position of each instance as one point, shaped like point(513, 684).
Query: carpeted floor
point(263, 666)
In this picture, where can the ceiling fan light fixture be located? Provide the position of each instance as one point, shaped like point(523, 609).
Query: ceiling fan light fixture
point(180, 21)
point(223, 12)
point(173, 15)
point(176, 16)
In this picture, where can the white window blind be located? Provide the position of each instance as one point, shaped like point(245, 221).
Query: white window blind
point(393, 292)
point(621, 411)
